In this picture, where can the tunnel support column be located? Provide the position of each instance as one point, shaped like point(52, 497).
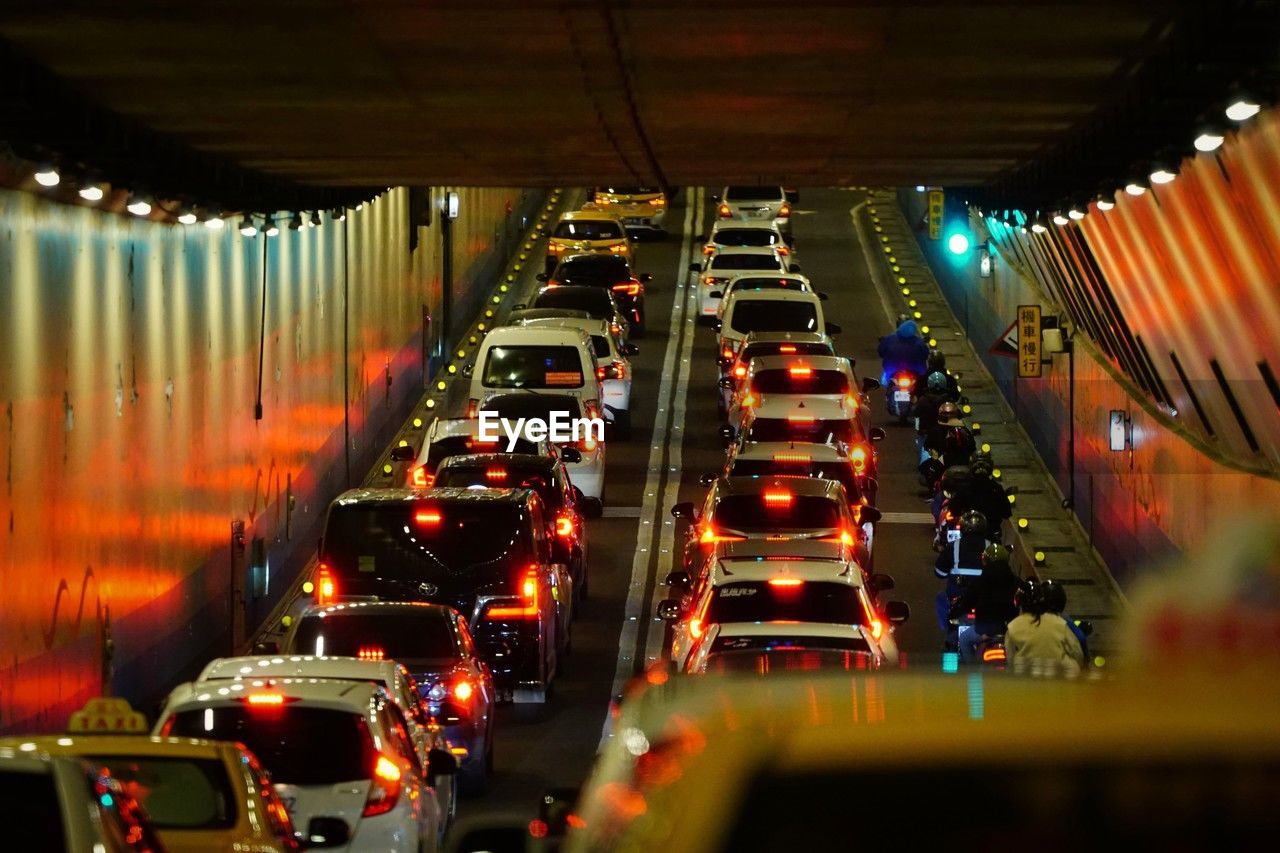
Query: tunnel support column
point(446, 282)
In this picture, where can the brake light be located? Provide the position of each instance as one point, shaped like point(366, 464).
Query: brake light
point(786, 349)
point(859, 457)
point(528, 607)
point(265, 700)
point(631, 288)
point(784, 211)
point(801, 372)
point(326, 589)
point(844, 537)
point(370, 653)
point(877, 628)
point(726, 351)
point(708, 249)
point(851, 402)
point(695, 628)
point(473, 408)
point(421, 479)
point(724, 211)
point(784, 251)
point(793, 458)
point(564, 526)
point(462, 690)
point(617, 370)
point(777, 497)
point(384, 788)
point(710, 536)
point(740, 371)
point(428, 516)
point(483, 442)
point(600, 373)
point(904, 381)
point(708, 280)
point(801, 419)
point(995, 653)
point(748, 401)
point(787, 582)
point(495, 474)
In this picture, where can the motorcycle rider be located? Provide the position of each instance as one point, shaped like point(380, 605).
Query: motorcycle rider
point(1037, 641)
point(903, 350)
point(990, 598)
point(1055, 599)
point(959, 561)
point(949, 438)
point(981, 491)
point(937, 363)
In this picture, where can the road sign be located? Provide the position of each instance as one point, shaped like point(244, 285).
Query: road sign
point(1028, 324)
point(937, 207)
point(1007, 344)
point(107, 716)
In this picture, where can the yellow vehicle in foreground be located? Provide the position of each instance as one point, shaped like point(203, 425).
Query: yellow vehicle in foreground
point(591, 230)
point(641, 208)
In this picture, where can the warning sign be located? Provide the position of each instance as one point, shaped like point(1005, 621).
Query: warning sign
point(1029, 366)
point(1007, 344)
point(107, 716)
point(937, 209)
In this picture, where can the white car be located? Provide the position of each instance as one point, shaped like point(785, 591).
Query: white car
point(784, 417)
point(732, 233)
point(794, 581)
point(545, 359)
point(613, 367)
point(800, 377)
point(337, 749)
point(641, 208)
point(583, 458)
point(767, 343)
point(853, 468)
point(784, 310)
point(787, 646)
point(393, 677)
point(447, 437)
point(755, 281)
point(755, 204)
point(716, 271)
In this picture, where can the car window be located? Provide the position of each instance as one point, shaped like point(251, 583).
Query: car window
point(533, 366)
point(177, 793)
point(755, 349)
point(776, 510)
point(810, 601)
point(589, 229)
point(33, 798)
point(766, 282)
point(753, 194)
point(759, 315)
point(394, 636)
point(516, 406)
point(462, 445)
point(816, 430)
point(745, 237)
point(498, 476)
point(841, 472)
point(397, 732)
point(799, 380)
point(744, 262)
point(595, 302)
point(788, 655)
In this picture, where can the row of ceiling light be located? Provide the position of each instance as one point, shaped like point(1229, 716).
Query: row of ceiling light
point(1210, 139)
point(142, 205)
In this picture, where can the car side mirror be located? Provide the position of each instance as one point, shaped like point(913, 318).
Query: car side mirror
point(727, 433)
point(403, 453)
point(542, 277)
point(646, 277)
point(822, 297)
point(867, 513)
point(833, 329)
point(669, 610)
point(718, 325)
point(882, 583)
point(876, 433)
point(868, 384)
point(519, 306)
point(325, 832)
point(630, 349)
point(708, 478)
point(678, 578)
point(695, 267)
point(684, 510)
point(715, 198)
point(716, 294)
point(571, 454)
point(727, 383)
point(441, 762)
point(897, 611)
point(793, 268)
point(266, 647)
point(591, 507)
point(468, 369)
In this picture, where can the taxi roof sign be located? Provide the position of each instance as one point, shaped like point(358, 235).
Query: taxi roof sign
point(107, 715)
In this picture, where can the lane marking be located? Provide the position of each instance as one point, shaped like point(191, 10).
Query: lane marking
point(621, 512)
point(867, 258)
point(653, 475)
point(906, 518)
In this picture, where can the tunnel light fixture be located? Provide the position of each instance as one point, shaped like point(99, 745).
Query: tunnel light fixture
point(47, 176)
point(1210, 139)
point(339, 214)
point(1243, 108)
point(1105, 202)
point(92, 192)
point(188, 217)
point(1162, 175)
point(1134, 188)
point(271, 229)
point(315, 219)
point(1075, 213)
point(247, 227)
point(1037, 227)
point(296, 222)
point(215, 223)
point(1060, 220)
point(139, 205)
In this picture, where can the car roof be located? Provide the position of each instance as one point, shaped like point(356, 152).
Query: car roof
point(594, 259)
point(391, 497)
point(802, 486)
point(725, 224)
point(780, 276)
point(551, 334)
point(336, 694)
point(75, 745)
point(587, 323)
point(780, 294)
point(769, 337)
point(786, 405)
point(756, 569)
point(766, 450)
point(590, 214)
point(520, 461)
point(816, 630)
point(524, 315)
point(299, 666)
point(815, 362)
point(815, 549)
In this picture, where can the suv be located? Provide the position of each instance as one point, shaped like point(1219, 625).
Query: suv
point(557, 359)
point(584, 456)
point(609, 272)
point(747, 311)
point(768, 343)
point(485, 552)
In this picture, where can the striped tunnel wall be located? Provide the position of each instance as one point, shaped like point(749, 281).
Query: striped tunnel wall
point(1174, 296)
point(128, 375)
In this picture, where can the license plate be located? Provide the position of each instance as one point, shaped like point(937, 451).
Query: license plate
point(953, 535)
point(902, 396)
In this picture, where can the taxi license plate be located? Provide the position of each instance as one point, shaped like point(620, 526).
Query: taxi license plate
point(902, 396)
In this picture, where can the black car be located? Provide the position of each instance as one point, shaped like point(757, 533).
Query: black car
point(485, 553)
point(605, 271)
point(598, 302)
point(434, 644)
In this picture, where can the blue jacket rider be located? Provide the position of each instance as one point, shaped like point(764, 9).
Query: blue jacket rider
point(904, 349)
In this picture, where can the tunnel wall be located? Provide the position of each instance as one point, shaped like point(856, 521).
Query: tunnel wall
point(129, 369)
point(1187, 271)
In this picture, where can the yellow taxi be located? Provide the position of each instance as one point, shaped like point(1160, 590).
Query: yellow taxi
point(589, 231)
point(200, 795)
point(641, 208)
point(899, 760)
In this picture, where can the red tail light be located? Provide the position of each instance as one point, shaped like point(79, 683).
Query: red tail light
point(473, 408)
point(844, 537)
point(421, 479)
point(748, 400)
point(801, 419)
point(903, 380)
point(708, 280)
point(370, 653)
point(631, 288)
point(710, 536)
point(877, 628)
point(777, 498)
point(463, 690)
point(996, 653)
point(708, 249)
point(726, 352)
point(740, 371)
point(264, 700)
point(591, 408)
point(600, 373)
point(495, 475)
point(695, 628)
point(528, 608)
point(616, 370)
point(859, 457)
point(800, 372)
point(326, 588)
point(588, 443)
point(786, 582)
point(793, 458)
point(724, 211)
point(384, 787)
point(784, 211)
point(786, 349)
point(564, 526)
point(429, 517)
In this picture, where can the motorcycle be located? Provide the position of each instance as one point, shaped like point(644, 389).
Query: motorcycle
point(898, 395)
point(985, 649)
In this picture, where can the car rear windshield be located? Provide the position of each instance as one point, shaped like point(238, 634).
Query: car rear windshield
point(841, 472)
point(745, 237)
point(178, 793)
point(745, 262)
point(818, 431)
point(799, 655)
point(766, 282)
point(286, 739)
point(595, 302)
point(776, 510)
point(398, 636)
point(589, 229)
point(755, 349)
point(498, 476)
point(759, 315)
point(753, 194)
point(515, 406)
point(31, 809)
point(533, 366)
point(761, 601)
point(441, 543)
point(800, 380)
point(461, 445)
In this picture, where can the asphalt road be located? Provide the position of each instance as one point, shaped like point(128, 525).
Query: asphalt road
point(674, 440)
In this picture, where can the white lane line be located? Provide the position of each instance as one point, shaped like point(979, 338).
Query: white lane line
point(621, 512)
point(906, 518)
point(649, 506)
point(867, 257)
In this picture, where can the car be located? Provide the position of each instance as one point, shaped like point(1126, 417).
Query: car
point(611, 272)
point(801, 377)
point(731, 233)
point(777, 507)
point(715, 271)
point(592, 230)
point(428, 649)
point(784, 646)
point(641, 208)
point(485, 553)
point(596, 301)
point(337, 749)
point(197, 794)
point(783, 583)
point(755, 204)
point(56, 803)
point(850, 468)
point(750, 311)
point(584, 457)
point(344, 657)
point(567, 507)
point(546, 358)
point(800, 419)
point(522, 315)
point(447, 437)
point(734, 363)
point(613, 366)
point(756, 281)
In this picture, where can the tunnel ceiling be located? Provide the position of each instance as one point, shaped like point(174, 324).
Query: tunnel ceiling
point(434, 92)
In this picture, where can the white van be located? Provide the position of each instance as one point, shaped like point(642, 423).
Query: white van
point(782, 310)
point(547, 358)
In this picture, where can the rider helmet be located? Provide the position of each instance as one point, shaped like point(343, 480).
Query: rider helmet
point(947, 411)
point(973, 522)
point(936, 382)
